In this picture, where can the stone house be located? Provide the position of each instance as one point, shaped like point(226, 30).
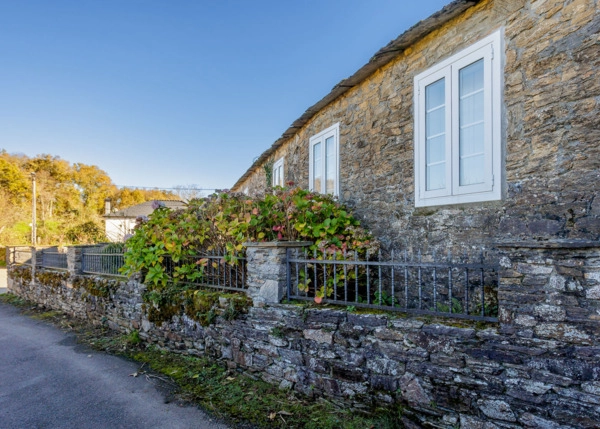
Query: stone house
point(478, 128)
point(477, 125)
point(121, 222)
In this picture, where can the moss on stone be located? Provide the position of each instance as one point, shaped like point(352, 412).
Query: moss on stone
point(51, 278)
point(163, 313)
point(21, 273)
point(98, 287)
point(204, 306)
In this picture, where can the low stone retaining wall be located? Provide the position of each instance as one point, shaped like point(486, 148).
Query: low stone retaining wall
point(539, 367)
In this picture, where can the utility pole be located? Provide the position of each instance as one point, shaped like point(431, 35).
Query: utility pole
point(33, 214)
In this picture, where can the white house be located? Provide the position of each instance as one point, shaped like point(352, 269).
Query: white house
point(122, 222)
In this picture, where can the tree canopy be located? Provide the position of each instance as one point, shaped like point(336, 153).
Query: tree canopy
point(69, 199)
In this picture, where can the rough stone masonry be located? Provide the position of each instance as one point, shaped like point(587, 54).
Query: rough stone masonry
point(537, 367)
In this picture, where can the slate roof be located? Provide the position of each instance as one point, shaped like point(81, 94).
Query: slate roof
point(144, 209)
point(382, 57)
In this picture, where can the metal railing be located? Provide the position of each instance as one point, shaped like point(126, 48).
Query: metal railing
point(102, 260)
point(461, 290)
point(52, 258)
point(211, 270)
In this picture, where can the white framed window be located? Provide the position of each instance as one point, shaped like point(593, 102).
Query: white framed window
point(324, 161)
point(277, 176)
point(458, 118)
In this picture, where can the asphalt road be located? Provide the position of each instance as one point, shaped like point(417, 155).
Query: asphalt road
point(49, 381)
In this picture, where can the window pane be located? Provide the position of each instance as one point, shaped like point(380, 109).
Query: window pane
point(434, 95)
point(471, 121)
point(474, 168)
point(330, 165)
point(435, 135)
point(436, 177)
point(471, 77)
point(471, 108)
point(471, 140)
point(278, 176)
point(317, 170)
point(436, 121)
point(435, 150)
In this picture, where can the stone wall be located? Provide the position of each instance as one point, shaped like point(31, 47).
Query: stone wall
point(551, 102)
point(537, 368)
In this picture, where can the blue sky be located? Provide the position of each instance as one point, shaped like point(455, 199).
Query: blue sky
point(178, 92)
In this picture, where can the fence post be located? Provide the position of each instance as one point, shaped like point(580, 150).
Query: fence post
point(267, 271)
point(74, 259)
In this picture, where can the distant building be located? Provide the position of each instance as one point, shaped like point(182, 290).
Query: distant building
point(122, 222)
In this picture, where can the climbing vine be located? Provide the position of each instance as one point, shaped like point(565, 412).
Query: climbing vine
point(268, 168)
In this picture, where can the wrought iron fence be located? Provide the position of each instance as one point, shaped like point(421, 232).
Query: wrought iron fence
point(210, 270)
point(52, 258)
point(103, 260)
point(461, 290)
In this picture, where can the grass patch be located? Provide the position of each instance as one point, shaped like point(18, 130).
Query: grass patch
point(47, 315)
point(9, 298)
point(240, 398)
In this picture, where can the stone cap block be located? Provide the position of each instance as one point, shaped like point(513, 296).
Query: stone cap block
point(283, 244)
point(550, 244)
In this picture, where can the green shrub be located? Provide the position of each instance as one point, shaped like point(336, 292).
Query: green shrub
point(171, 248)
point(86, 233)
point(222, 222)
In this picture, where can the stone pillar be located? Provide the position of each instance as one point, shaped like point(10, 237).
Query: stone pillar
point(74, 255)
point(266, 270)
point(551, 290)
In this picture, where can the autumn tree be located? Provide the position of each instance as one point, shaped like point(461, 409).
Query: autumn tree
point(12, 179)
point(94, 185)
point(69, 198)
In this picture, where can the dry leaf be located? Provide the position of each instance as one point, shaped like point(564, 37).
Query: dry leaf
point(272, 416)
